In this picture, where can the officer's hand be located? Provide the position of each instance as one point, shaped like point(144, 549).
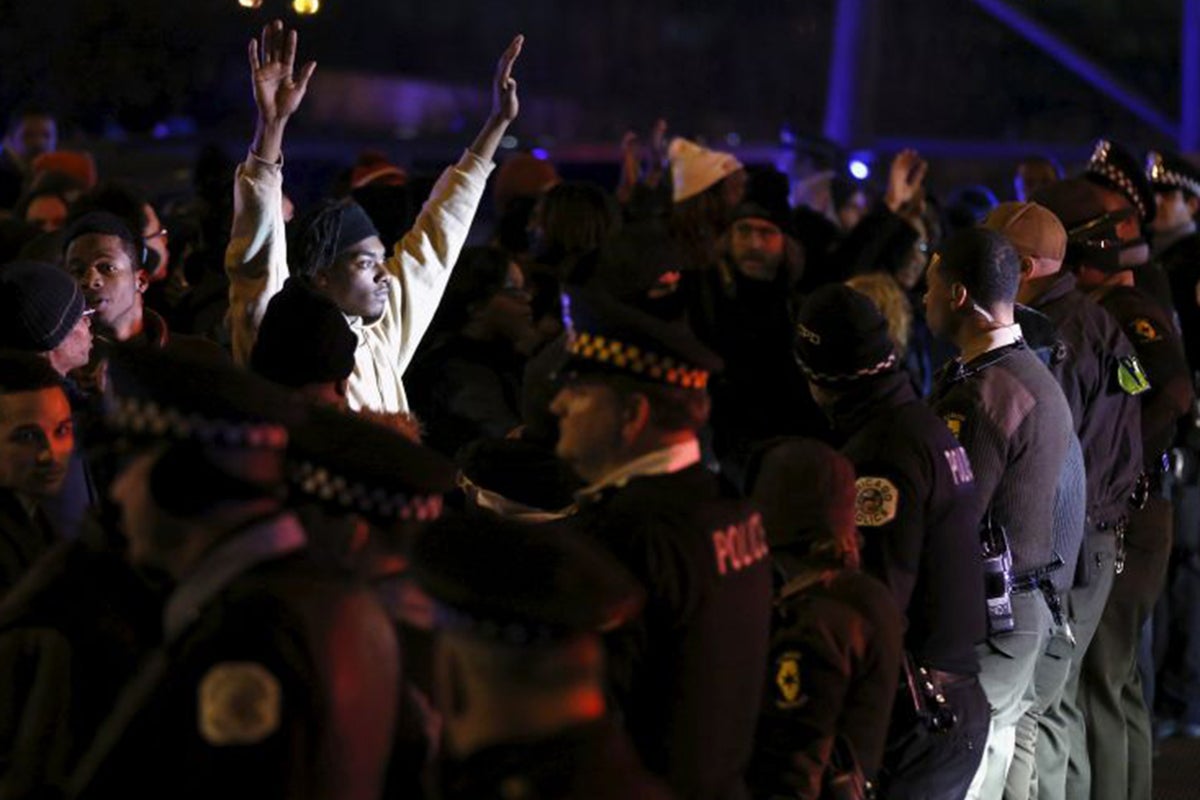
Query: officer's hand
point(505, 103)
point(277, 89)
point(905, 179)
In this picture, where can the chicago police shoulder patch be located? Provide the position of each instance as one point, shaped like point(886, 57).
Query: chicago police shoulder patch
point(789, 691)
point(876, 502)
point(1144, 330)
point(1130, 375)
point(239, 703)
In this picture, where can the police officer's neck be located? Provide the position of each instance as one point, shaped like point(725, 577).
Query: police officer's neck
point(980, 329)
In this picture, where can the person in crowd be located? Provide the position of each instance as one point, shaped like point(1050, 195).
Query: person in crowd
point(521, 610)
point(276, 676)
point(570, 222)
point(1101, 378)
point(520, 183)
point(519, 479)
point(305, 343)
point(37, 438)
point(30, 132)
point(835, 631)
point(1110, 690)
point(1033, 174)
point(1013, 421)
point(688, 674)
point(42, 311)
point(707, 185)
point(390, 299)
point(1176, 244)
point(743, 310)
point(363, 491)
point(850, 202)
point(468, 379)
point(45, 208)
point(914, 501)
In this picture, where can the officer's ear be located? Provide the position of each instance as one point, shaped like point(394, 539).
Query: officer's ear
point(959, 298)
point(635, 417)
point(1027, 268)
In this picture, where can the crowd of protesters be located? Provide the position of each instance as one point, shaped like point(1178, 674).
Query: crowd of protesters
point(714, 485)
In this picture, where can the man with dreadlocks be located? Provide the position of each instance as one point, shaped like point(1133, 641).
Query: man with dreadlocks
point(336, 250)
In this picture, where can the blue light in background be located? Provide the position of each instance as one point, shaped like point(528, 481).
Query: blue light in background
point(860, 169)
point(540, 154)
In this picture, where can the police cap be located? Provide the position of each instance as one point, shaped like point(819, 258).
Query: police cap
point(520, 584)
point(1167, 171)
point(354, 465)
point(842, 337)
point(185, 397)
point(608, 337)
point(1115, 168)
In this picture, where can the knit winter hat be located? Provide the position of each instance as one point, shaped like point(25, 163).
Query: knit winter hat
point(695, 168)
point(39, 305)
point(841, 337)
point(303, 339)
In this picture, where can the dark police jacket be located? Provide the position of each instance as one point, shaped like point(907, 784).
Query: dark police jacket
point(919, 519)
point(1152, 331)
point(1011, 417)
point(688, 674)
point(591, 762)
point(835, 659)
point(71, 635)
point(1107, 414)
point(278, 679)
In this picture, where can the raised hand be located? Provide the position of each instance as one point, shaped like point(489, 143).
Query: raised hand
point(505, 103)
point(278, 89)
point(905, 179)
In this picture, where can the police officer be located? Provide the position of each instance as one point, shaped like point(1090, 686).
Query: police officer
point(1177, 619)
point(519, 610)
point(1014, 423)
point(1175, 242)
point(1100, 376)
point(1119, 737)
point(277, 677)
point(1121, 184)
point(836, 631)
point(914, 504)
point(687, 675)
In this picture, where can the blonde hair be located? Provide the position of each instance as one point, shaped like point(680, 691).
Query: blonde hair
point(883, 290)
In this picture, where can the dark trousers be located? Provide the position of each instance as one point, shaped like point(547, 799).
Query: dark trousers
point(921, 764)
point(1110, 689)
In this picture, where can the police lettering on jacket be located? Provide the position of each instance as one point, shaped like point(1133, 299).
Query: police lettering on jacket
point(740, 545)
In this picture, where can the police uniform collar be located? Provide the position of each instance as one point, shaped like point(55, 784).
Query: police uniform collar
point(262, 541)
point(1063, 284)
point(1164, 240)
point(666, 461)
point(990, 340)
point(511, 509)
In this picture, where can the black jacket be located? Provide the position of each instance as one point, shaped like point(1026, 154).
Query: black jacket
point(688, 674)
point(835, 659)
point(917, 510)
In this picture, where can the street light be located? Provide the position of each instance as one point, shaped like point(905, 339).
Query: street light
point(306, 7)
point(250, 3)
